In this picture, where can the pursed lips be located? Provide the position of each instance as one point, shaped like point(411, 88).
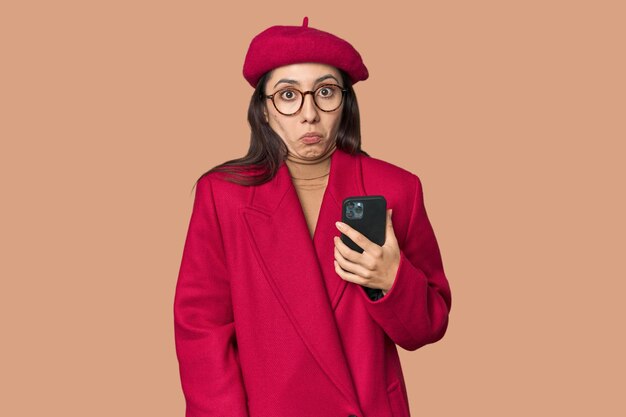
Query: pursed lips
point(311, 135)
point(311, 138)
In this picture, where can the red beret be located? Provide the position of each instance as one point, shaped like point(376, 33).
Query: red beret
point(283, 45)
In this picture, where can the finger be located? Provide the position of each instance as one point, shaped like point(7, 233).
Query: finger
point(390, 235)
point(346, 251)
point(365, 259)
point(348, 276)
point(358, 238)
point(350, 266)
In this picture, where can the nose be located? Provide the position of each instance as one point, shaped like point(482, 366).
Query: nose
point(309, 110)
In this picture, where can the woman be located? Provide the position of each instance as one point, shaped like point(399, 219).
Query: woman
point(274, 315)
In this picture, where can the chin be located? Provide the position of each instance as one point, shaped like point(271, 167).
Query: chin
point(313, 150)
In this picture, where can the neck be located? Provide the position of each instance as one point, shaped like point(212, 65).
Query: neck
point(300, 168)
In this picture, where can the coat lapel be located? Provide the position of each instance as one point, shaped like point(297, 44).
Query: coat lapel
point(345, 180)
point(289, 258)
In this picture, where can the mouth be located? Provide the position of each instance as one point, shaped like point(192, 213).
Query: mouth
point(311, 137)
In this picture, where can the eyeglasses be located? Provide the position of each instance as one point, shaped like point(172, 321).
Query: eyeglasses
point(289, 101)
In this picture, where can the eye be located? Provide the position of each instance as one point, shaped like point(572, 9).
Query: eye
point(288, 95)
point(326, 91)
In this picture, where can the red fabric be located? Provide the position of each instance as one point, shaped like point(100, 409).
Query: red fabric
point(264, 327)
point(283, 45)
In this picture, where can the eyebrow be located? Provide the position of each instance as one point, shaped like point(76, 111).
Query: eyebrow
point(286, 80)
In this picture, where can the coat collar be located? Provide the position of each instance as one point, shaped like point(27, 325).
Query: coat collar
point(289, 257)
point(344, 180)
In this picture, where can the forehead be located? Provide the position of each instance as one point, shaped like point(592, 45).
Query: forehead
point(305, 73)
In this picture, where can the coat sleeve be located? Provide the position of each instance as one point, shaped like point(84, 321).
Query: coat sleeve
point(206, 345)
point(414, 312)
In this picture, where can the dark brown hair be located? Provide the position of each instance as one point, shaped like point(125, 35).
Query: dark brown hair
point(267, 149)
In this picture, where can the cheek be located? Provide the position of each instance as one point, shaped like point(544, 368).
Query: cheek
point(334, 122)
point(278, 124)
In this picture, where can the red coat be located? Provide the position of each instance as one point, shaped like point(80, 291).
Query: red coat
point(264, 326)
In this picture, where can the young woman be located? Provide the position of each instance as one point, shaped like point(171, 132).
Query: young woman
point(274, 315)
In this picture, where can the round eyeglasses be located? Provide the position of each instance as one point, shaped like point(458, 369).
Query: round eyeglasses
point(289, 101)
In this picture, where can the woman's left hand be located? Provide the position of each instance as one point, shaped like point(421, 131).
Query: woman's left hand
point(376, 267)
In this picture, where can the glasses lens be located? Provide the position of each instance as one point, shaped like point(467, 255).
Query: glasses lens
point(288, 100)
point(328, 97)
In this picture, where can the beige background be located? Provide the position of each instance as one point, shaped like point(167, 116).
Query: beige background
point(512, 114)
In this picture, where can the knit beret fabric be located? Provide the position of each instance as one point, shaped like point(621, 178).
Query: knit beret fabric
point(284, 45)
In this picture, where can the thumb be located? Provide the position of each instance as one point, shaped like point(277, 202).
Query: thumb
point(390, 234)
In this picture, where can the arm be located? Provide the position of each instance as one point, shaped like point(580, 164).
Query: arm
point(414, 312)
point(203, 318)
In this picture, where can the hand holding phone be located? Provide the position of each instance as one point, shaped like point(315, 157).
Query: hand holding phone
point(368, 216)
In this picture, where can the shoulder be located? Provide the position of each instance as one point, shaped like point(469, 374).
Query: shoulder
point(227, 179)
point(377, 169)
point(220, 189)
point(400, 186)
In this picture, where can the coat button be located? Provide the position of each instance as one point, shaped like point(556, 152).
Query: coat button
point(352, 415)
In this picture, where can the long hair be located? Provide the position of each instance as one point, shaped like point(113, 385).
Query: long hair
point(267, 150)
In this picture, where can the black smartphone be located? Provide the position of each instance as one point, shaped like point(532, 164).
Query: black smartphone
point(366, 214)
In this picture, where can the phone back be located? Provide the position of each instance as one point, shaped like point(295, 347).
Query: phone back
point(366, 214)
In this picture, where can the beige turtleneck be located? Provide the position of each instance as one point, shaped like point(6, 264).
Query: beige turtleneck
point(310, 177)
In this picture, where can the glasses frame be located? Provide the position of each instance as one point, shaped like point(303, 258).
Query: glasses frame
point(303, 94)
